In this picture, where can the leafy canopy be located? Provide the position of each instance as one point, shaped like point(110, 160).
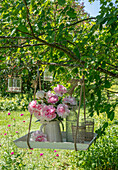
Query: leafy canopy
point(61, 31)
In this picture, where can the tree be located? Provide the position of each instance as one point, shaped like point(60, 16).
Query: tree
point(60, 31)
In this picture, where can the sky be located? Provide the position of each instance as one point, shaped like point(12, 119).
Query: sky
point(92, 9)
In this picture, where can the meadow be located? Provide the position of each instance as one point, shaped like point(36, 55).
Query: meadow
point(103, 154)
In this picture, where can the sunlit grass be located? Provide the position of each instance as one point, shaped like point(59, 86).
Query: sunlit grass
point(65, 159)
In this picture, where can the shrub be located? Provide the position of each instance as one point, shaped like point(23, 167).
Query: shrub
point(102, 155)
point(14, 103)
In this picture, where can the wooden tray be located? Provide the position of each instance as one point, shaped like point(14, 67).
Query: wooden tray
point(22, 143)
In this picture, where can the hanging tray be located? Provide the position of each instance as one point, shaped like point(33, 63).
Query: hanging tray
point(22, 143)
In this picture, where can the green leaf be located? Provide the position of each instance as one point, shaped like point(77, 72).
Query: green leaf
point(107, 84)
point(76, 50)
point(61, 2)
point(75, 70)
point(103, 64)
point(13, 31)
point(92, 38)
point(22, 28)
point(71, 13)
point(61, 26)
point(105, 125)
point(51, 68)
point(97, 112)
point(111, 21)
point(91, 114)
point(111, 115)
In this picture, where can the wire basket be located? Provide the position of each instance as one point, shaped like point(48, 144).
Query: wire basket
point(89, 126)
point(81, 133)
point(85, 131)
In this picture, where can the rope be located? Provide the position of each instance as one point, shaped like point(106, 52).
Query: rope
point(29, 132)
point(35, 86)
point(84, 99)
point(39, 82)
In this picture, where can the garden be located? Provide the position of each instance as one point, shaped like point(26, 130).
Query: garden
point(102, 154)
point(58, 85)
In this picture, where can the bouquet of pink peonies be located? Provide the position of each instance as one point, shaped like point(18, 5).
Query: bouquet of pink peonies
point(51, 106)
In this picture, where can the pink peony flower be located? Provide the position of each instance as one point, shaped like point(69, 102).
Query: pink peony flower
point(21, 114)
point(45, 112)
point(9, 113)
point(32, 106)
point(57, 155)
point(16, 131)
point(38, 136)
point(12, 153)
point(60, 90)
point(49, 94)
point(48, 113)
point(55, 151)
point(41, 154)
point(69, 100)
point(37, 111)
point(39, 106)
point(13, 118)
point(9, 125)
point(23, 120)
point(53, 99)
point(5, 134)
point(62, 110)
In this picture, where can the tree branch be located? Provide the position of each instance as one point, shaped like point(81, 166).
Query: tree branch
point(45, 42)
point(112, 91)
point(59, 64)
point(80, 21)
point(56, 29)
point(107, 72)
point(24, 32)
point(64, 47)
point(21, 46)
point(116, 67)
point(28, 17)
point(8, 37)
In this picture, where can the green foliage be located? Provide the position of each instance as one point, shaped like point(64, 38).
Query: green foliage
point(14, 161)
point(60, 31)
point(61, 2)
point(103, 155)
point(15, 103)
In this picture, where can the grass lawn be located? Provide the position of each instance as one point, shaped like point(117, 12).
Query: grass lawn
point(101, 155)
